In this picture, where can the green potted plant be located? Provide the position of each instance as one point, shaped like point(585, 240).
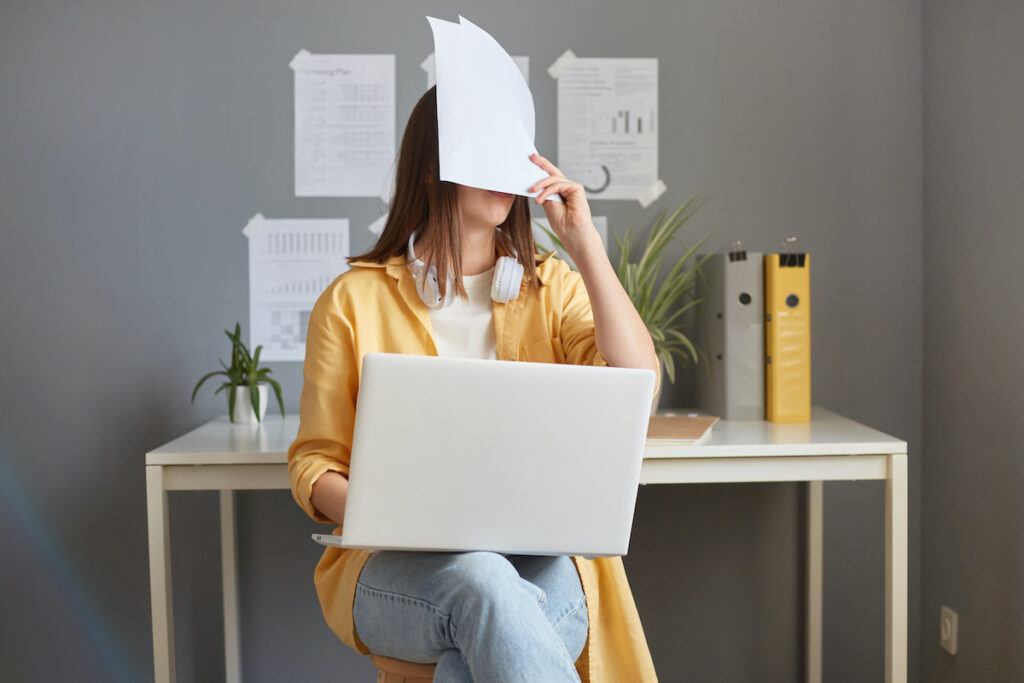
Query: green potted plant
point(245, 371)
point(661, 307)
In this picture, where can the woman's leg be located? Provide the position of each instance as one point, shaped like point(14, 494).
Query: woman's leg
point(459, 608)
point(565, 605)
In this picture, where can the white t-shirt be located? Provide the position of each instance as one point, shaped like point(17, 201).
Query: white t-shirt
point(465, 329)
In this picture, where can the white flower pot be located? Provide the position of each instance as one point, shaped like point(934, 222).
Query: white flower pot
point(244, 414)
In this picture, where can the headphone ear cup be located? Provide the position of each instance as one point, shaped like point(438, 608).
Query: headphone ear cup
point(429, 290)
point(426, 281)
point(508, 279)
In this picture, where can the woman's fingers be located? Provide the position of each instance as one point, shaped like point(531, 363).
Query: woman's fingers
point(545, 182)
point(549, 190)
point(545, 164)
point(556, 182)
point(564, 186)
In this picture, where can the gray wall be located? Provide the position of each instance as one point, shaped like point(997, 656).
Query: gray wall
point(972, 547)
point(138, 137)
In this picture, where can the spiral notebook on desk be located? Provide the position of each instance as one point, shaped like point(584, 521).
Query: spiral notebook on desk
point(681, 428)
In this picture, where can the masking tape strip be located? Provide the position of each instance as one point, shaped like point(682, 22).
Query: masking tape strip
point(254, 223)
point(299, 59)
point(428, 63)
point(377, 227)
point(656, 189)
point(567, 58)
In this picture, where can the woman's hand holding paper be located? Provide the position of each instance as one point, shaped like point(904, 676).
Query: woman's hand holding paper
point(570, 221)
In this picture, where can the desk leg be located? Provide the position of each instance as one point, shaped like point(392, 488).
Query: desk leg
point(896, 570)
point(815, 548)
point(161, 604)
point(229, 569)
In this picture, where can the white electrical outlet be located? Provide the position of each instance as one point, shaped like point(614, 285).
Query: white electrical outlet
point(947, 630)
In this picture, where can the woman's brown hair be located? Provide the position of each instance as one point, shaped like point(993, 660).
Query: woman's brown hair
point(421, 201)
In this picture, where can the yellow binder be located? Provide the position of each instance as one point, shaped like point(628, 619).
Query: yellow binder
point(787, 332)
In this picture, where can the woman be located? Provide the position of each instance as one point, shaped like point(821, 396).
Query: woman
point(480, 616)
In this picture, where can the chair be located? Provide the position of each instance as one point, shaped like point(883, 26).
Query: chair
point(399, 671)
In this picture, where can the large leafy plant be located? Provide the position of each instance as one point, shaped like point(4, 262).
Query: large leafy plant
point(245, 371)
point(661, 307)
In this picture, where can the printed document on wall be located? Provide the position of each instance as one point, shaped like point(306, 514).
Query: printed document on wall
point(291, 262)
point(344, 124)
point(608, 125)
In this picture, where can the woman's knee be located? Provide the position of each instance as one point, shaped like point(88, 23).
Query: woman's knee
point(481, 578)
point(482, 570)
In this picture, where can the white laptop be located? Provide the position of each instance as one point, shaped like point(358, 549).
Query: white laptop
point(459, 454)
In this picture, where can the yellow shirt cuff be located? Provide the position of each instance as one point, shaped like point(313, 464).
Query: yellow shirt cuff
point(306, 488)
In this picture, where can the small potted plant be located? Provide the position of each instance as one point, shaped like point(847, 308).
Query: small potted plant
point(245, 371)
point(660, 308)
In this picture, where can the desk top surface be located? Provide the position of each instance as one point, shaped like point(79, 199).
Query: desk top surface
point(220, 442)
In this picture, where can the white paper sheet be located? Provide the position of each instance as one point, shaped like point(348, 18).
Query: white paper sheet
point(544, 243)
point(291, 262)
point(428, 66)
point(344, 124)
point(608, 126)
point(485, 114)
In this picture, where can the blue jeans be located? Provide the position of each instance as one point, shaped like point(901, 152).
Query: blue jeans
point(481, 616)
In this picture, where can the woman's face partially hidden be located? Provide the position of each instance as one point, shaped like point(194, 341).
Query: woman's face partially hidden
point(484, 208)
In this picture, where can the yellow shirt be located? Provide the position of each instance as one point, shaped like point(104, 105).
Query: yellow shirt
point(375, 307)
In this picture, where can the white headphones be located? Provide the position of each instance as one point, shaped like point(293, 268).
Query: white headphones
point(505, 286)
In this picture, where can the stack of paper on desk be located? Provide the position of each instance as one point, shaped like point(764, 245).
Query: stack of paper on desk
point(681, 429)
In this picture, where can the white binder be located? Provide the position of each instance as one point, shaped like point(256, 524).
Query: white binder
point(730, 328)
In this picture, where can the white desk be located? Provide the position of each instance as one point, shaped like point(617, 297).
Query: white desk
point(225, 457)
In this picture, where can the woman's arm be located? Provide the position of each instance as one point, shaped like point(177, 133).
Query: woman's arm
point(619, 333)
point(322, 447)
point(329, 493)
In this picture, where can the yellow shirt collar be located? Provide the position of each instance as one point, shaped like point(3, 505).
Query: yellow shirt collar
point(396, 264)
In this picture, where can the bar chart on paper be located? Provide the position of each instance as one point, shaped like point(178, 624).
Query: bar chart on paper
point(626, 122)
point(291, 262)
